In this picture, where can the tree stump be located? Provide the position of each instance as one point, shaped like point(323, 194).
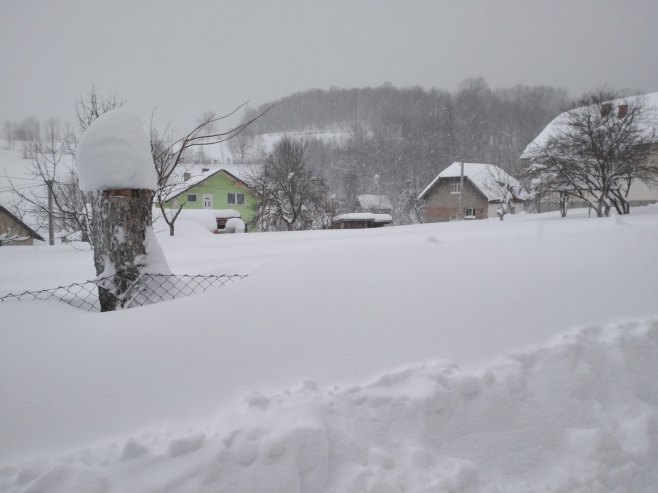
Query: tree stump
point(122, 216)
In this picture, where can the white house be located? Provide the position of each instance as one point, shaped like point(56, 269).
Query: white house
point(639, 192)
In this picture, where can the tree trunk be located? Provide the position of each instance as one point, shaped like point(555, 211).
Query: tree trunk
point(121, 217)
point(171, 229)
point(564, 202)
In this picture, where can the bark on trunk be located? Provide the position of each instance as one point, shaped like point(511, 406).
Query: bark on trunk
point(121, 220)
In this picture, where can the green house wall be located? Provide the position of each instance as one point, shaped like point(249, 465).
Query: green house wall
point(219, 186)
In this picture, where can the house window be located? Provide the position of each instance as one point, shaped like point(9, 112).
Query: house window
point(236, 198)
point(469, 212)
point(191, 197)
point(455, 187)
point(606, 108)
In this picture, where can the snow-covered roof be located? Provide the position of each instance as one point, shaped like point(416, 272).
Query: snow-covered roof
point(355, 216)
point(374, 202)
point(559, 121)
point(115, 152)
point(201, 172)
point(383, 218)
point(481, 175)
point(364, 216)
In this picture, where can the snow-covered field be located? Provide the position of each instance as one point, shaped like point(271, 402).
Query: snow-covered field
point(513, 356)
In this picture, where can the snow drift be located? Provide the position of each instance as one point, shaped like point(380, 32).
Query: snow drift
point(145, 399)
point(578, 414)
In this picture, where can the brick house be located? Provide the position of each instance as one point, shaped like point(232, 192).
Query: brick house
point(481, 194)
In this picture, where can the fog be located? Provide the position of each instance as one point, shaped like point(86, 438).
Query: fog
point(183, 58)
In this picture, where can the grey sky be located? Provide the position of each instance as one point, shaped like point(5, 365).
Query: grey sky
point(185, 57)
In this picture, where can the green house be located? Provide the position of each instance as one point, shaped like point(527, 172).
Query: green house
point(213, 188)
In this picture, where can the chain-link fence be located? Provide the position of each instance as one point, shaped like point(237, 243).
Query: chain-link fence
point(144, 290)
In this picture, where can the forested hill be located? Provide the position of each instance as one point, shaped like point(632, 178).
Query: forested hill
point(397, 139)
point(474, 122)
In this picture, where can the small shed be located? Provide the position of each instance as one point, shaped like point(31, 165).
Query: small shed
point(360, 220)
point(223, 215)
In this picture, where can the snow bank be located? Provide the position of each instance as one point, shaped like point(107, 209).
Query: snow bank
point(579, 414)
point(115, 152)
point(235, 225)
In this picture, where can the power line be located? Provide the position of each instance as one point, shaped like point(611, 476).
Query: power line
point(17, 178)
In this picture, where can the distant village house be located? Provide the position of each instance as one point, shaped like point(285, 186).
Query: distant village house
point(222, 189)
point(482, 195)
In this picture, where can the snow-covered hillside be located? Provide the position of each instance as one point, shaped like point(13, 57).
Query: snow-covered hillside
point(486, 356)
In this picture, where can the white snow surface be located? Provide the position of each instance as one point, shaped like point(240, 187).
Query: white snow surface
point(487, 356)
point(235, 225)
point(480, 174)
point(115, 152)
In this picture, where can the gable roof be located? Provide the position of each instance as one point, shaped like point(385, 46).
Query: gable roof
point(30, 231)
point(559, 121)
point(479, 174)
point(201, 176)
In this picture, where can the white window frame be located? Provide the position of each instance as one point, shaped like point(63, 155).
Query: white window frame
point(455, 187)
point(467, 210)
point(207, 197)
point(230, 195)
point(239, 198)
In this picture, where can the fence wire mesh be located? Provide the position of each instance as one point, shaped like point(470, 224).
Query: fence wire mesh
point(146, 289)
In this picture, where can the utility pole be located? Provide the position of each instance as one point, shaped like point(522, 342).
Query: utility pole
point(51, 223)
point(461, 189)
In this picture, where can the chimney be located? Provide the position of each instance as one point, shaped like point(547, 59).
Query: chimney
point(606, 108)
point(186, 176)
point(622, 111)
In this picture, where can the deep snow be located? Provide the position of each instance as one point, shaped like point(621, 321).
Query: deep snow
point(149, 399)
point(115, 152)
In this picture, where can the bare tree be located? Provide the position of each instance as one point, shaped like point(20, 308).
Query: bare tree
point(54, 196)
point(290, 195)
point(503, 186)
point(90, 108)
point(409, 208)
point(9, 133)
point(596, 150)
point(167, 155)
point(241, 144)
point(12, 235)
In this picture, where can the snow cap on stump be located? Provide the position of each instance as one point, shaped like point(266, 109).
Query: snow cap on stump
point(115, 153)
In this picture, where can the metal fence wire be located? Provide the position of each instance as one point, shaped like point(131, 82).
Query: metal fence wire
point(144, 290)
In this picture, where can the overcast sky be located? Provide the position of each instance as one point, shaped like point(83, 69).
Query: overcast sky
point(185, 57)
